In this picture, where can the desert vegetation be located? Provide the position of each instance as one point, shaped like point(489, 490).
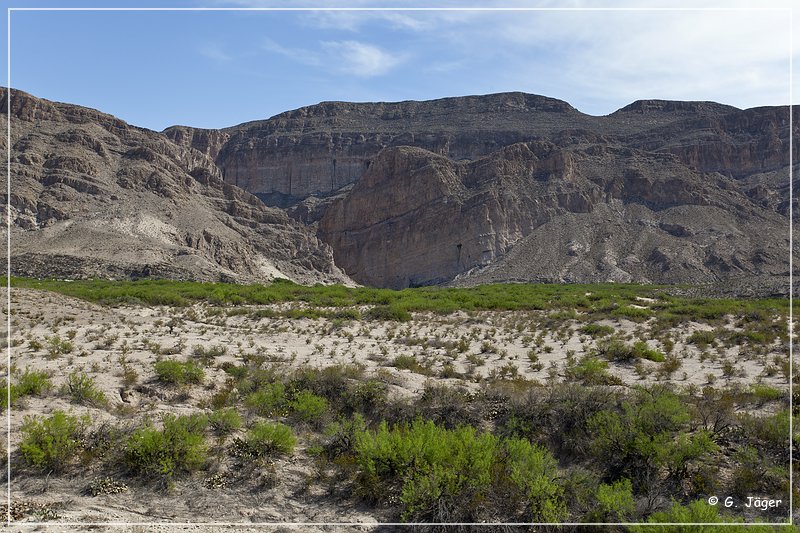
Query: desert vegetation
point(501, 403)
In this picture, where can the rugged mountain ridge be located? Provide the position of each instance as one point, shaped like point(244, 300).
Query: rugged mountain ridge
point(317, 150)
point(92, 196)
point(503, 187)
point(521, 187)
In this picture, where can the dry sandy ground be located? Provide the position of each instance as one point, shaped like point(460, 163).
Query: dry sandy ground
point(104, 337)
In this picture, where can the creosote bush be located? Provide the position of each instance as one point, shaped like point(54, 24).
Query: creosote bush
point(179, 447)
point(266, 438)
point(82, 390)
point(451, 475)
point(225, 421)
point(53, 442)
point(177, 372)
point(308, 407)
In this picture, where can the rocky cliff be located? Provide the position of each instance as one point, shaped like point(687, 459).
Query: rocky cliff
point(538, 211)
point(504, 187)
point(92, 196)
point(521, 187)
point(317, 150)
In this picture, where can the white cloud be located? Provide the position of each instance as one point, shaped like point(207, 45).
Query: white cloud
point(360, 59)
point(214, 52)
point(353, 58)
point(301, 55)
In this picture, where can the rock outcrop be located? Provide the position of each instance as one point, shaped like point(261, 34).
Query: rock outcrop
point(317, 150)
point(92, 196)
point(541, 212)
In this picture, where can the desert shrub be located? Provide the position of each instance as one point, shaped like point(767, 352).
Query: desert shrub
point(368, 396)
point(448, 475)
point(28, 383)
point(702, 339)
point(448, 406)
point(268, 400)
point(341, 436)
point(767, 433)
point(33, 382)
point(592, 371)
point(615, 350)
point(177, 372)
point(266, 438)
point(6, 397)
point(641, 350)
point(438, 468)
point(596, 330)
point(556, 417)
point(647, 434)
point(764, 393)
point(179, 447)
point(224, 421)
point(388, 312)
point(533, 471)
point(52, 443)
point(57, 346)
point(409, 362)
point(632, 313)
point(82, 390)
point(207, 354)
point(755, 474)
point(701, 512)
point(328, 382)
point(615, 502)
point(308, 407)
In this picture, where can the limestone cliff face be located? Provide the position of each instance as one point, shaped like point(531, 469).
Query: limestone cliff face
point(541, 212)
point(92, 196)
point(318, 150)
point(208, 142)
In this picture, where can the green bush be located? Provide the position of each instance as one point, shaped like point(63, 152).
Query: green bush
point(57, 346)
point(267, 438)
point(52, 443)
point(702, 339)
point(648, 434)
point(225, 421)
point(267, 401)
point(616, 350)
point(592, 371)
point(409, 362)
point(614, 502)
point(178, 373)
point(388, 312)
point(29, 383)
point(179, 447)
point(596, 330)
point(642, 351)
point(533, 470)
point(32, 382)
point(632, 313)
point(82, 390)
point(308, 407)
point(449, 475)
point(700, 511)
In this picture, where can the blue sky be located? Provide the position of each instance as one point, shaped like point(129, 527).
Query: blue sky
point(221, 68)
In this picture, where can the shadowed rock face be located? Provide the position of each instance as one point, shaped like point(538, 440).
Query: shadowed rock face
point(92, 196)
point(539, 212)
